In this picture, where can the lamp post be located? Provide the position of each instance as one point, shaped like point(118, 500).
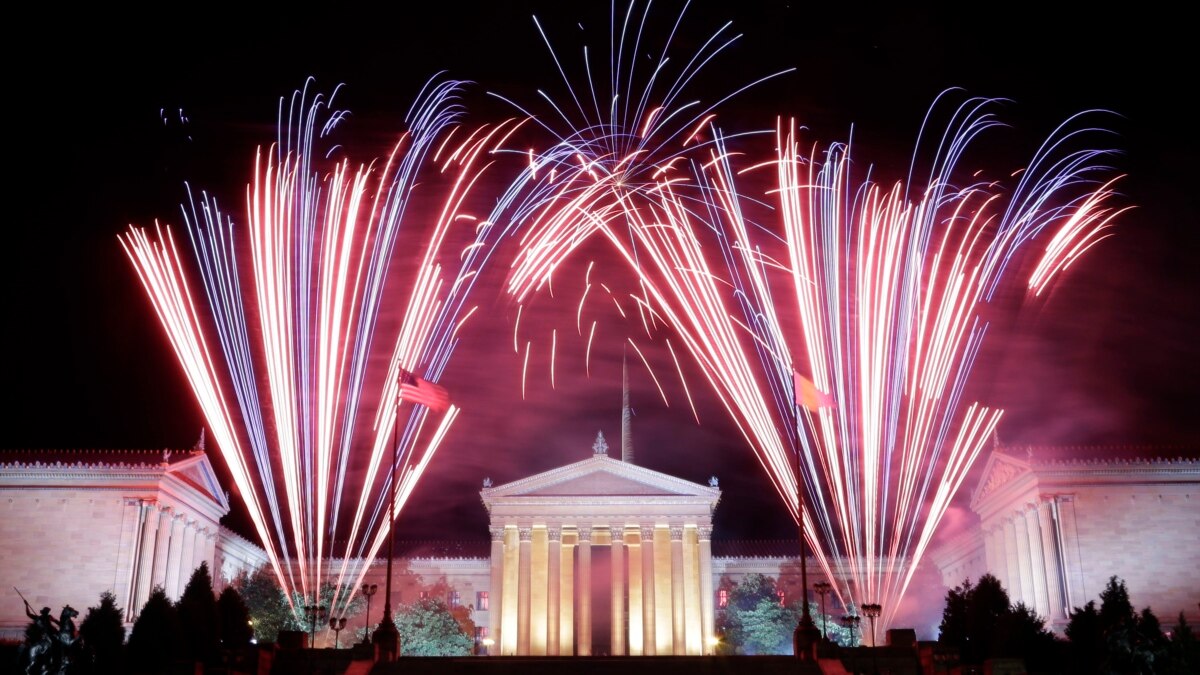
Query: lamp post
point(823, 588)
point(315, 613)
point(872, 612)
point(852, 621)
point(386, 636)
point(368, 590)
point(336, 624)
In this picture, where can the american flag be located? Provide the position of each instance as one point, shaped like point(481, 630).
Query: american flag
point(418, 390)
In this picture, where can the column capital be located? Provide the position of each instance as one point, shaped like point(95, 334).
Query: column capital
point(554, 533)
point(705, 532)
point(585, 534)
point(647, 533)
point(617, 533)
point(676, 533)
point(525, 533)
point(497, 533)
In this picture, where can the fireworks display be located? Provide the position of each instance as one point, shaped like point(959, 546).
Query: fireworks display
point(280, 361)
point(835, 317)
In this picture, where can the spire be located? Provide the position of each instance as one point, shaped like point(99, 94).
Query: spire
point(600, 446)
point(200, 442)
point(626, 414)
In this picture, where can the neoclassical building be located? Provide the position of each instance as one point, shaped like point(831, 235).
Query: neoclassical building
point(601, 556)
point(1054, 524)
point(77, 523)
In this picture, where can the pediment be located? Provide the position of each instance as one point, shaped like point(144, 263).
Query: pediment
point(1000, 470)
point(197, 473)
point(600, 475)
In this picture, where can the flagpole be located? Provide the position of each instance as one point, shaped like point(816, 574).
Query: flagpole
point(804, 639)
point(387, 637)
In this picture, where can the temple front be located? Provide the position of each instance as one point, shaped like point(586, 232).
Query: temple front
point(601, 557)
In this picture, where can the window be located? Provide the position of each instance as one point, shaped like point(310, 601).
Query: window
point(453, 599)
point(482, 632)
point(481, 600)
point(782, 598)
point(723, 598)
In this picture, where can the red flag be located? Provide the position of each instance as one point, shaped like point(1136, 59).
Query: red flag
point(418, 390)
point(809, 396)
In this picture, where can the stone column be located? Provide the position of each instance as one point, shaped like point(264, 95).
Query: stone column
point(637, 632)
point(707, 620)
point(148, 518)
point(175, 580)
point(678, 634)
point(495, 593)
point(124, 579)
point(990, 552)
point(1011, 558)
point(161, 543)
point(508, 620)
point(691, 592)
point(584, 639)
point(1037, 560)
point(1053, 558)
point(648, 591)
point(524, 586)
point(210, 552)
point(197, 548)
point(1024, 561)
point(1069, 545)
point(566, 619)
point(553, 591)
point(617, 591)
point(539, 592)
point(664, 631)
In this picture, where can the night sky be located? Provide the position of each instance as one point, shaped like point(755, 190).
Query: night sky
point(1110, 357)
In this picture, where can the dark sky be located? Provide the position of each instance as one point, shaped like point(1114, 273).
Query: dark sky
point(1110, 357)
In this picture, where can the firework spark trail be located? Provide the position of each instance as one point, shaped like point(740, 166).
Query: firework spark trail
point(887, 292)
point(320, 248)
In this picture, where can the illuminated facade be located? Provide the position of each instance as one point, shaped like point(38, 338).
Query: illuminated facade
point(78, 523)
point(601, 557)
point(1053, 531)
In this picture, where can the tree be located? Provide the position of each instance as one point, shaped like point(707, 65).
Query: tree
point(234, 627)
point(428, 628)
point(197, 611)
point(154, 641)
point(1087, 639)
point(983, 624)
point(326, 598)
point(103, 634)
point(265, 601)
point(753, 621)
point(1183, 653)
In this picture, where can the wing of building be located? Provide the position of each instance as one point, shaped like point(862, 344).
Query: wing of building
point(1054, 524)
point(78, 523)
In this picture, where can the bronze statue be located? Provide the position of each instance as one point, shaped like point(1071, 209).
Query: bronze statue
point(49, 642)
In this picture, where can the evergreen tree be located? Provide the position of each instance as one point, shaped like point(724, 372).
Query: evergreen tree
point(268, 607)
point(197, 611)
point(428, 628)
point(103, 635)
point(981, 622)
point(154, 642)
point(753, 621)
point(235, 631)
point(1183, 653)
point(1086, 635)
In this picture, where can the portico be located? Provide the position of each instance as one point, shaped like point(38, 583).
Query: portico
point(601, 557)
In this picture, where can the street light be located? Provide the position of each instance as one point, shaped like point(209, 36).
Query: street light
point(872, 611)
point(852, 621)
point(315, 613)
point(368, 590)
point(336, 624)
point(823, 588)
